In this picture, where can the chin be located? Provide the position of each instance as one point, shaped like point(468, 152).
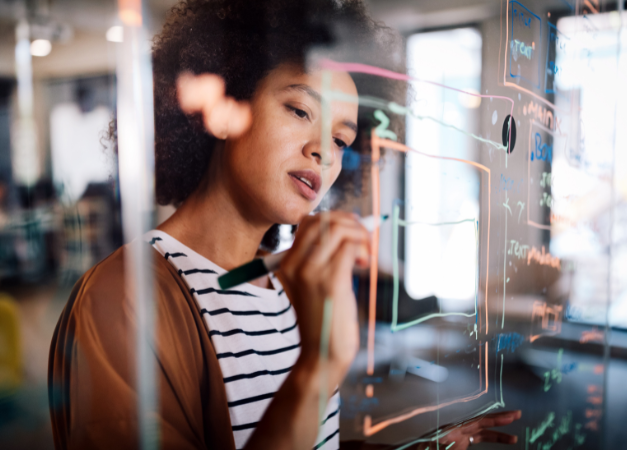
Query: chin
point(293, 212)
point(294, 217)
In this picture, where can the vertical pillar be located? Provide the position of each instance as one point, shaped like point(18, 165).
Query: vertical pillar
point(135, 119)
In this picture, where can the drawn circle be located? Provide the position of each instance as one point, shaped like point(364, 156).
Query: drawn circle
point(505, 134)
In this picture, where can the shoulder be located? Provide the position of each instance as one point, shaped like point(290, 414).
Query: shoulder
point(93, 350)
point(101, 312)
point(103, 303)
point(111, 273)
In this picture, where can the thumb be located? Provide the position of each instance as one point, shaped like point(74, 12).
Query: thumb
point(343, 261)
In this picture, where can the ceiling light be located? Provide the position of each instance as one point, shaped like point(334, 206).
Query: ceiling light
point(115, 34)
point(40, 47)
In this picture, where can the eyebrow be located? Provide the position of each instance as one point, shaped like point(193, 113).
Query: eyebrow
point(317, 97)
point(305, 90)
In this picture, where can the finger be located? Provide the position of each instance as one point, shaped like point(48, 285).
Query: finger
point(517, 413)
point(308, 235)
point(469, 428)
point(333, 234)
point(362, 236)
point(337, 234)
point(327, 217)
point(500, 419)
point(343, 259)
point(344, 306)
point(491, 420)
point(495, 437)
point(196, 93)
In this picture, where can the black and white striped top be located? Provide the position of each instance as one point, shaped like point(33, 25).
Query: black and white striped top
point(255, 336)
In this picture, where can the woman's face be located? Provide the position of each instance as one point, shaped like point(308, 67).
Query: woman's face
point(278, 171)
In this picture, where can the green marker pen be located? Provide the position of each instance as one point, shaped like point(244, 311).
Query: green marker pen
point(262, 266)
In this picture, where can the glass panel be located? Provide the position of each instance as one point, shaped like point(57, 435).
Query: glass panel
point(490, 139)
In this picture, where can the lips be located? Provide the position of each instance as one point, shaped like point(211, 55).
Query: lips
point(307, 182)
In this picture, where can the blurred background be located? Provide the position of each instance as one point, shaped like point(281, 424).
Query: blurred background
point(59, 186)
point(60, 200)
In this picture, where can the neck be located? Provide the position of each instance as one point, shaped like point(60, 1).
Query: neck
point(210, 223)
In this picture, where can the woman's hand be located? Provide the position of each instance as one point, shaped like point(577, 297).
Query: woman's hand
point(478, 430)
point(319, 266)
point(223, 116)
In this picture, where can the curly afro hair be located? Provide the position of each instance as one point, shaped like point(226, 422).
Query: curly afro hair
point(242, 41)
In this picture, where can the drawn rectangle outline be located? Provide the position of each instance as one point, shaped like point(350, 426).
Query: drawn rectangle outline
point(509, 83)
point(539, 46)
point(370, 429)
point(376, 144)
point(395, 326)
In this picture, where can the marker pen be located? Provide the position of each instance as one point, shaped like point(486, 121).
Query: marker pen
point(262, 266)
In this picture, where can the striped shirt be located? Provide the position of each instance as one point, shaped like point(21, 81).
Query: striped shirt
point(255, 336)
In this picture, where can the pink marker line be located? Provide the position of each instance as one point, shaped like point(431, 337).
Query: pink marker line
point(379, 72)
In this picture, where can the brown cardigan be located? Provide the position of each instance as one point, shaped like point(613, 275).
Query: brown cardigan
point(91, 372)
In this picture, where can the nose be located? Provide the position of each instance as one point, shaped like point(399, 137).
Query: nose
point(324, 157)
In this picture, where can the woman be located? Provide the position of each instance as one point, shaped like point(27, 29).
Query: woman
point(238, 152)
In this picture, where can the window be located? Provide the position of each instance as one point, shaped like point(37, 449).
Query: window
point(442, 196)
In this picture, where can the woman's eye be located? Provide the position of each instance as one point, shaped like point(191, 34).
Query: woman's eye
point(340, 143)
point(299, 112)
